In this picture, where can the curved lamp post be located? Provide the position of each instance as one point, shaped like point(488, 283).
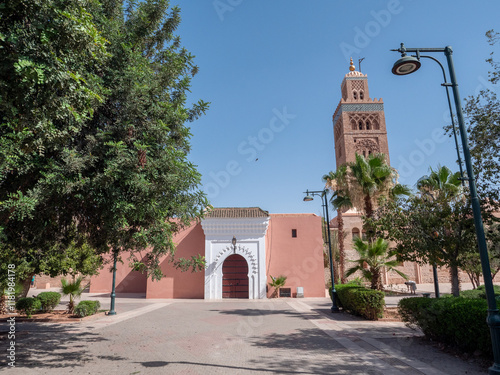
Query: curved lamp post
point(309, 197)
point(407, 65)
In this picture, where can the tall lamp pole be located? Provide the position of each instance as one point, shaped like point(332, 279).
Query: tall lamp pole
point(113, 294)
point(407, 65)
point(323, 194)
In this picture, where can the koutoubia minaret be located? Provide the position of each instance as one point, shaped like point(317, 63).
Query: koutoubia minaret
point(359, 121)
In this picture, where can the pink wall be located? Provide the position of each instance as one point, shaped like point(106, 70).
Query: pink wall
point(127, 281)
point(177, 284)
point(300, 258)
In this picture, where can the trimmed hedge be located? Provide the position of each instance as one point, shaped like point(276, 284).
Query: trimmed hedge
point(460, 322)
point(359, 300)
point(28, 305)
point(479, 292)
point(86, 308)
point(49, 300)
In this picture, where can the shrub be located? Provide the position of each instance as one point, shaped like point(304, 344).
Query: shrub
point(480, 292)
point(28, 305)
point(86, 308)
point(49, 300)
point(460, 322)
point(358, 300)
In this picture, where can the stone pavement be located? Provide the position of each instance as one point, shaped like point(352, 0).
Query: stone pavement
point(278, 336)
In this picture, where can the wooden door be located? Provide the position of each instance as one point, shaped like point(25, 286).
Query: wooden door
point(235, 277)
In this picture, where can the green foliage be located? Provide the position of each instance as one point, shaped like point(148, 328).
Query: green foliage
point(376, 256)
point(48, 300)
point(363, 183)
point(479, 292)
point(94, 137)
point(86, 308)
point(460, 322)
point(482, 113)
point(278, 282)
point(358, 300)
point(72, 289)
point(435, 226)
point(28, 305)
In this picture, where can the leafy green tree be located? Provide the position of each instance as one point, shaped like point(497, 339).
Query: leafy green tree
point(49, 86)
point(433, 227)
point(110, 170)
point(443, 185)
point(374, 256)
point(131, 166)
point(483, 115)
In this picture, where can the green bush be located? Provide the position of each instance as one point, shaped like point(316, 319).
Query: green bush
point(86, 308)
point(480, 292)
point(460, 322)
point(359, 300)
point(49, 300)
point(28, 305)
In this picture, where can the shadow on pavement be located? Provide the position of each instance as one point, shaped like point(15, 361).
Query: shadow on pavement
point(277, 366)
point(53, 346)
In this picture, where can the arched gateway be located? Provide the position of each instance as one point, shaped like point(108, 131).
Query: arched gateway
point(235, 269)
point(235, 277)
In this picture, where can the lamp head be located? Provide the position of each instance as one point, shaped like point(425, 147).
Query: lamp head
point(406, 65)
point(233, 241)
point(308, 198)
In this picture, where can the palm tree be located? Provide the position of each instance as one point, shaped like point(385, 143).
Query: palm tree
point(365, 182)
point(73, 290)
point(373, 257)
point(371, 180)
point(277, 283)
point(443, 185)
point(336, 181)
point(440, 184)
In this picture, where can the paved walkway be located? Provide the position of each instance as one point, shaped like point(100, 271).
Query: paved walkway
point(285, 336)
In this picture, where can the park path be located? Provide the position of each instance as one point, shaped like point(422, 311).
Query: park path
point(285, 336)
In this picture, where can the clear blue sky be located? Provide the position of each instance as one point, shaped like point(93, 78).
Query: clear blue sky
point(272, 71)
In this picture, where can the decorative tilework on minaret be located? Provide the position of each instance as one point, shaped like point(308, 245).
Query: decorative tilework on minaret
point(359, 121)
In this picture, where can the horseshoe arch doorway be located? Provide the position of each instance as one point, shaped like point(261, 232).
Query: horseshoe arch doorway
point(235, 277)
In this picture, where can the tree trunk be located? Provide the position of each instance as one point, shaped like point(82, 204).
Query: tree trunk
point(370, 233)
point(455, 281)
point(376, 282)
point(341, 246)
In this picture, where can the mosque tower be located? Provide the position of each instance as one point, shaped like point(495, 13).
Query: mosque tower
point(359, 121)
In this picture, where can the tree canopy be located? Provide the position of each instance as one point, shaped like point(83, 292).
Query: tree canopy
point(94, 142)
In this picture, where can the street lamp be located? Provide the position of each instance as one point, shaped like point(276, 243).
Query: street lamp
point(233, 241)
point(410, 64)
point(309, 197)
point(113, 294)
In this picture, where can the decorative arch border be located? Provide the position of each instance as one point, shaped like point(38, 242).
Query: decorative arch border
point(240, 250)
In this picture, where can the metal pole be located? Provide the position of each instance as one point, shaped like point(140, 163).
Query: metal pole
point(493, 318)
point(113, 295)
point(446, 85)
point(334, 308)
point(436, 283)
